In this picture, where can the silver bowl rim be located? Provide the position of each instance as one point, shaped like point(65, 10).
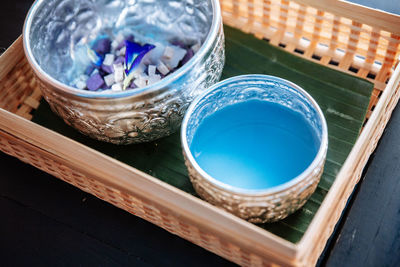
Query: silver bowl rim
point(256, 192)
point(61, 87)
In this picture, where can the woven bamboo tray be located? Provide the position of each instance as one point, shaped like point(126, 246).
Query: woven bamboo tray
point(340, 35)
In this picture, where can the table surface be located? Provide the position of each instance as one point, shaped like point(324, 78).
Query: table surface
point(48, 222)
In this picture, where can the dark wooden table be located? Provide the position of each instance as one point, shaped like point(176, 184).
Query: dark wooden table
point(45, 221)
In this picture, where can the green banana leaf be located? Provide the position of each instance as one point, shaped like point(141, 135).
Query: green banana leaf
point(343, 98)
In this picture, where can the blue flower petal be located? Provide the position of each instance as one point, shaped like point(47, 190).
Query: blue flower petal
point(94, 57)
point(134, 54)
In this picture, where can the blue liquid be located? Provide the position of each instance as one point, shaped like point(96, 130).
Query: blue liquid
point(254, 144)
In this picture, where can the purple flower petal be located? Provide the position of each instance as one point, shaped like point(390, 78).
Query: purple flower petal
point(134, 54)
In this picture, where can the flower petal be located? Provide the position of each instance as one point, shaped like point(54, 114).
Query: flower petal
point(94, 57)
point(134, 54)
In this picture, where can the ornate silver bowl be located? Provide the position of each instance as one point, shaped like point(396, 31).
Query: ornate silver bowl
point(255, 205)
point(54, 28)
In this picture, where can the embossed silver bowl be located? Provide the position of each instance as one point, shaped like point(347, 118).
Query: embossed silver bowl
point(55, 28)
point(255, 205)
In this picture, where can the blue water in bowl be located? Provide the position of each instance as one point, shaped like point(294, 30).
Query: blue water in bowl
point(254, 144)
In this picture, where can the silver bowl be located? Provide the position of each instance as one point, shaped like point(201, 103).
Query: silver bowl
point(255, 205)
point(55, 28)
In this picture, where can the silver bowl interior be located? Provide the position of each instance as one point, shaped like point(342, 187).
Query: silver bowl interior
point(58, 31)
point(261, 87)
